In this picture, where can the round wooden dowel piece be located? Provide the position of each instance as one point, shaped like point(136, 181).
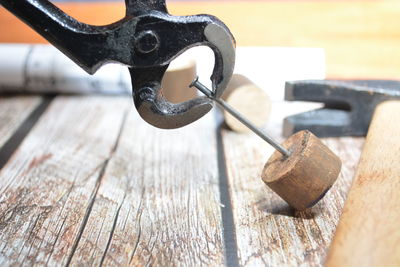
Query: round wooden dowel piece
point(306, 175)
point(249, 99)
point(179, 75)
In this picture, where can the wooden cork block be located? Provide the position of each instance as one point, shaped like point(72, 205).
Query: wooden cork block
point(249, 99)
point(179, 75)
point(304, 177)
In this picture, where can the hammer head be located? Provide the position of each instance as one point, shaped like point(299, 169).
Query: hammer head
point(349, 105)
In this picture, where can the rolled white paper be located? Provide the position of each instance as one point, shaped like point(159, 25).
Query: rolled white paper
point(44, 69)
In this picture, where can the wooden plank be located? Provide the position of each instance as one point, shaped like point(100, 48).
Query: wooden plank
point(353, 33)
point(13, 111)
point(158, 203)
point(268, 232)
point(94, 184)
point(48, 187)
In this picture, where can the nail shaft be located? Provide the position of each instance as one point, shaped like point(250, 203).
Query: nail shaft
point(207, 92)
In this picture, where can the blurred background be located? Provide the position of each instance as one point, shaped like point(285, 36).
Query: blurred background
point(361, 38)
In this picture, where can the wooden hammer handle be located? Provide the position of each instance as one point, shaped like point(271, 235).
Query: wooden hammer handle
point(368, 233)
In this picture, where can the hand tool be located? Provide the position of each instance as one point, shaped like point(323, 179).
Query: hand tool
point(302, 169)
point(349, 105)
point(368, 233)
point(146, 41)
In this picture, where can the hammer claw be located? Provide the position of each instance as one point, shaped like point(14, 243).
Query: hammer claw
point(349, 105)
point(316, 121)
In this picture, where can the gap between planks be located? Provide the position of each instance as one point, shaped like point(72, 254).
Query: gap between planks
point(13, 111)
point(83, 224)
point(96, 192)
point(268, 231)
point(228, 222)
point(18, 115)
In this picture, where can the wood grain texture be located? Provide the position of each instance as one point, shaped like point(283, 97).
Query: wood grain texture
point(368, 233)
point(13, 111)
point(249, 100)
point(304, 177)
point(268, 232)
point(47, 189)
point(158, 203)
point(93, 184)
point(361, 38)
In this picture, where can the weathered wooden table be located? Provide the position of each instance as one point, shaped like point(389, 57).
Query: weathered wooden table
point(92, 184)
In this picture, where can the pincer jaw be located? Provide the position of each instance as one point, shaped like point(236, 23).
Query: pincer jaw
point(223, 45)
point(159, 112)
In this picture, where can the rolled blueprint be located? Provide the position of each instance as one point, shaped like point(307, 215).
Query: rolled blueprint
point(44, 69)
